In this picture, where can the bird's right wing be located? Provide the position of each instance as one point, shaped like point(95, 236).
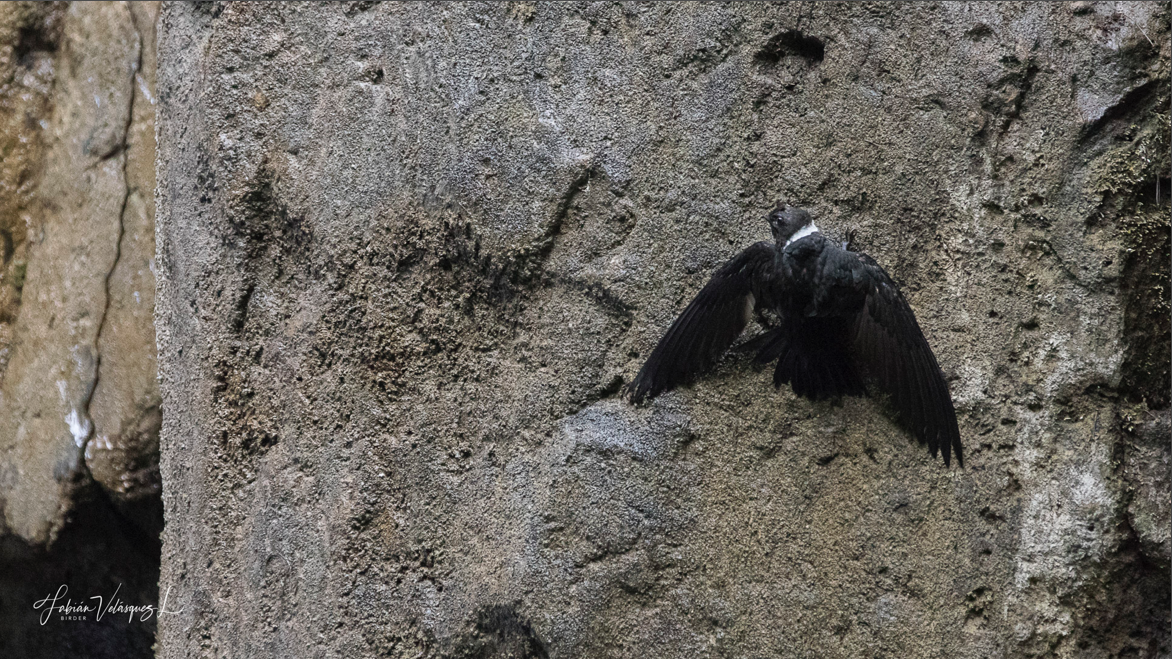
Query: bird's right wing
point(707, 327)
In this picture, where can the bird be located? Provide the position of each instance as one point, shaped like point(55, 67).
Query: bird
point(844, 329)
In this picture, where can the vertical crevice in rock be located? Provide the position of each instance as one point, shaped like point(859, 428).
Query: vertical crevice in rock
point(123, 152)
point(82, 371)
point(122, 454)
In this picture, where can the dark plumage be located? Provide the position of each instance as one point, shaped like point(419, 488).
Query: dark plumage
point(845, 329)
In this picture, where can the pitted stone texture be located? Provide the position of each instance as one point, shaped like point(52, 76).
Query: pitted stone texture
point(409, 254)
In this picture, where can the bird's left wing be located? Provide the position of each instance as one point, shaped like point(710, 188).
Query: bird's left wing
point(891, 350)
point(708, 326)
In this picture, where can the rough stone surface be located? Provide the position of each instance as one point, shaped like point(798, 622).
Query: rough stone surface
point(409, 253)
point(94, 202)
point(29, 33)
point(79, 402)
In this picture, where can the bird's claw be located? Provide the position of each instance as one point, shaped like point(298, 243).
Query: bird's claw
point(849, 243)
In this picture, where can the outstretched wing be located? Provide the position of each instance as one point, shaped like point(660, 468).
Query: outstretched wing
point(890, 349)
point(707, 327)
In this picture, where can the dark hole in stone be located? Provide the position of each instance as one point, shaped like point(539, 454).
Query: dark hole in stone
point(792, 43)
point(979, 31)
point(241, 309)
point(33, 39)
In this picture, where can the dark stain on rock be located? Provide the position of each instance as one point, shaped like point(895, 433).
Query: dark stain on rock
point(43, 37)
point(353, 8)
point(211, 9)
point(1007, 95)
point(272, 239)
point(499, 632)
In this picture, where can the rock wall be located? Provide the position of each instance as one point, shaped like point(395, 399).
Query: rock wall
point(79, 402)
point(409, 254)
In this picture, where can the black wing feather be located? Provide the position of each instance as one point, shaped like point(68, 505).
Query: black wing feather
point(889, 348)
point(707, 327)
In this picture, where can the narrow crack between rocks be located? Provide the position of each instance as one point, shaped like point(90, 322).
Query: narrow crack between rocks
point(125, 149)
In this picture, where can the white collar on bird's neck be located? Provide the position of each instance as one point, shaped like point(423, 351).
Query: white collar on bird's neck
point(802, 233)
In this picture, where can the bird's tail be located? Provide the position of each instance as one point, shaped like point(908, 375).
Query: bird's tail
point(814, 361)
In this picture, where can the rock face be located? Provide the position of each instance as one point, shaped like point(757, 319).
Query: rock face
point(79, 394)
point(79, 402)
point(410, 253)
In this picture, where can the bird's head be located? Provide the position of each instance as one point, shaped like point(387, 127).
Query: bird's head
point(789, 223)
